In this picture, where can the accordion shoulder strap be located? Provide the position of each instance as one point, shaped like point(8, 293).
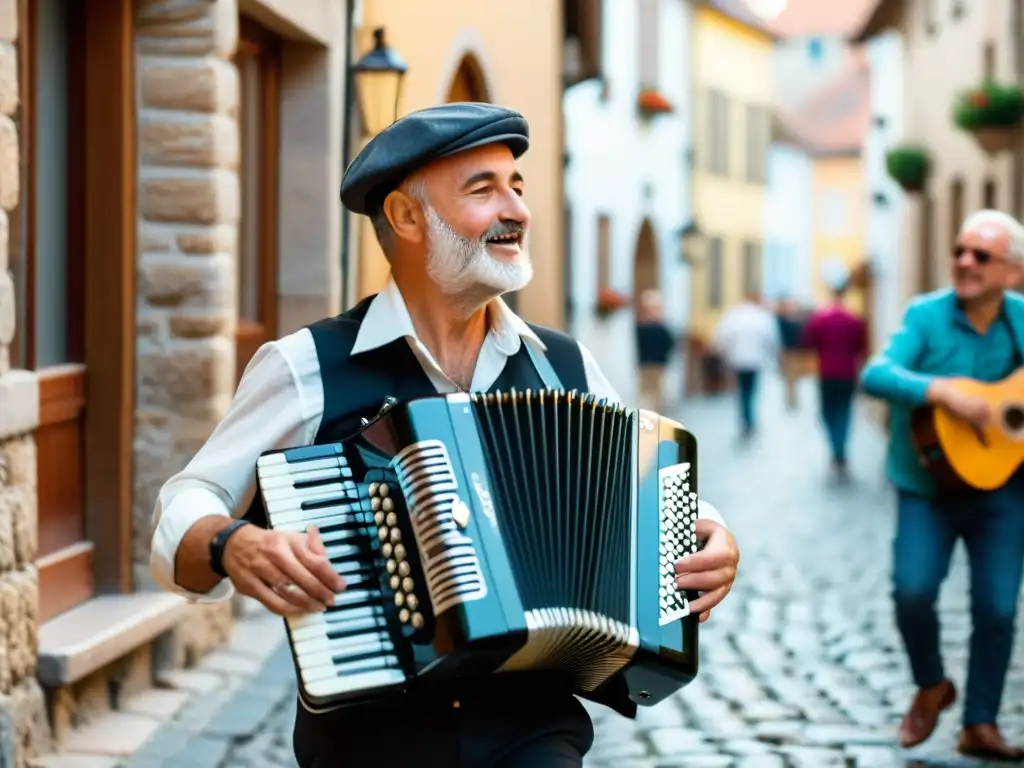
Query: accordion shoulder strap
point(544, 369)
point(563, 359)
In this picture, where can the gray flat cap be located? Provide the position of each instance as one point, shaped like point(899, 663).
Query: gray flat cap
point(427, 134)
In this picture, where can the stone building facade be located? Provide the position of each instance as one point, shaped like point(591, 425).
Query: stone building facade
point(23, 727)
point(233, 126)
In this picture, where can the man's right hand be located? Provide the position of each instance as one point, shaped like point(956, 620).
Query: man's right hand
point(289, 573)
point(971, 408)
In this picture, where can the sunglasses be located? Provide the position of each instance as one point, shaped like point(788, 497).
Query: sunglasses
point(981, 256)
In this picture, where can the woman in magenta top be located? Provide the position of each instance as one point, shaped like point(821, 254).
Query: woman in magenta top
point(840, 340)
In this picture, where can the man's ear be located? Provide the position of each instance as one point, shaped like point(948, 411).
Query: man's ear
point(406, 216)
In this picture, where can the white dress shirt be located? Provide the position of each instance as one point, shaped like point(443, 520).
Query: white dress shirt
point(279, 404)
point(748, 337)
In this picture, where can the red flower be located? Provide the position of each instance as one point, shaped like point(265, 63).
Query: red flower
point(652, 101)
point(609, 300)
point(978, 99)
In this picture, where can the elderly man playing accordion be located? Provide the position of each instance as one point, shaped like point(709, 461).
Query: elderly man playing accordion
point(446, 199)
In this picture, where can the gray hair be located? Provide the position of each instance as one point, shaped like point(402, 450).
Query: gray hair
point(414, 186)
point(1013, 228)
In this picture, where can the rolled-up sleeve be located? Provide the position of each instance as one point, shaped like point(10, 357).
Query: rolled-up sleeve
point(889, 374)
point(278, 404)
point(598, 385)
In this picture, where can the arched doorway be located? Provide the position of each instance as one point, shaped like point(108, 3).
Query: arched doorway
point(645, 262)
point(469, 83)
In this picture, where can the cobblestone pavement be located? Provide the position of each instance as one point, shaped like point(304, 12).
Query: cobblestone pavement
point(801, 666)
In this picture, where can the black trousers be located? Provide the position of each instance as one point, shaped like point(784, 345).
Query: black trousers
point(503, 724)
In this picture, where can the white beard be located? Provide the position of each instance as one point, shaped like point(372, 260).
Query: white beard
point(462, 268)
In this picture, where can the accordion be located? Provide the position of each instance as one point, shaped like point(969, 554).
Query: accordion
point(491, 533)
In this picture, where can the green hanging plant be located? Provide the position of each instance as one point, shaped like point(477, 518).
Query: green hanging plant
point(992, 112)
point(909, 166)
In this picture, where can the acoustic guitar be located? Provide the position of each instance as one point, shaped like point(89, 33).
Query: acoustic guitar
point(961, 456)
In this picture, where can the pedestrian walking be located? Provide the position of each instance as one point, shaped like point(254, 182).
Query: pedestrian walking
point(839, 339)
point(792, 360)
point(748, 339)
point(654, 346)
point(974, 330)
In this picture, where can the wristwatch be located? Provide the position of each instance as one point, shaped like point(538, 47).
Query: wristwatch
point(217, 544)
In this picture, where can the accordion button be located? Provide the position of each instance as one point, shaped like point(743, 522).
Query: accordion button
point(417, 623)
point(373, 489)
point(374, 504)
point(379, 518)
point(391, 519)
point(404, 568)
point(383, 490)
point(392, 566)
point(382, 533)
point(408, 584)
point(395, 582)
point(387, 505)
point(386, 549)
point(456, 704)
point(396, 535)
point(400, 551)
point(403, 615)
point(412, 601)
point(399, 599)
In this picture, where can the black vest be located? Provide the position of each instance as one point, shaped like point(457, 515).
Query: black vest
point(355, 388)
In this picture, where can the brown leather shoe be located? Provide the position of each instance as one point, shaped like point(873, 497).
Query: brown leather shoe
point(986, 741)
point(924, 713)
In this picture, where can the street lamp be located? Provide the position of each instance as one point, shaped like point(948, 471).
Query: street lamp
point(378, 80)
point(689, 235)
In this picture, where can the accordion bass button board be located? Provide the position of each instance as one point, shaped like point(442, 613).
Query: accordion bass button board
point(490, 534)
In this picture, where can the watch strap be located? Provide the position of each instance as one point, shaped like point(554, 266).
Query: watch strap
point(217, 544)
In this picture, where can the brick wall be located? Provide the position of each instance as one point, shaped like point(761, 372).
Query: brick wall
point(188, 231)
point(23, 727)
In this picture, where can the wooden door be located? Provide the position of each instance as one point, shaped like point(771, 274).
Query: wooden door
point(259, 67)
point(71, 238)
point(50, 232)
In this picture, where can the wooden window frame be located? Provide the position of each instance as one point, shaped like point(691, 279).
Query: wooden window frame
point(957, 204)
point(250, 333)
point(102, 226)
point(603, 250)
point(752, 268)
point(716, 273)
point(583, 23)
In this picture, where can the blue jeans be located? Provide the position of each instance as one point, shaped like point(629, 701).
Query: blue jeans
point(836, 407)
point(746, 383)
point(992, 528)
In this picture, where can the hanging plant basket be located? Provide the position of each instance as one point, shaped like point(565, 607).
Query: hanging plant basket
point(909, 166)
point(992, 112)
point(609, 302)
point(650, 103)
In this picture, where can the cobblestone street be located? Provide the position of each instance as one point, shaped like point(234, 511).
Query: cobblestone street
point(801, 666)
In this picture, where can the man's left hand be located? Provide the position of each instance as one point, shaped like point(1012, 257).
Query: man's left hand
point(712, 570)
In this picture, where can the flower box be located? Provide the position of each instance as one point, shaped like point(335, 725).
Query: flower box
point(609, 301)
point(992, 112)
point(650, 102)
point(909, 166)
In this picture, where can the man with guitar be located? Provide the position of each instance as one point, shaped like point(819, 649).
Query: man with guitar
point(948, 374)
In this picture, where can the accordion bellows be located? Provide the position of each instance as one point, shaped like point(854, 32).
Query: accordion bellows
point(484, 534)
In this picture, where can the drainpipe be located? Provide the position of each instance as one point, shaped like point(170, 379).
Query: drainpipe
point(346, 147)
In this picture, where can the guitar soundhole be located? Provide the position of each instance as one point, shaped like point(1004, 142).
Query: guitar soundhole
point(1013, 417)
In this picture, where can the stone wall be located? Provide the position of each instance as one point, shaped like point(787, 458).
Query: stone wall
point(189, 210)
point(24, 731)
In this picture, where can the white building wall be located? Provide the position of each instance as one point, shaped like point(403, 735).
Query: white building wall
point(804, 64)
point(885, 222)
point(788, 239)
point(631, 170)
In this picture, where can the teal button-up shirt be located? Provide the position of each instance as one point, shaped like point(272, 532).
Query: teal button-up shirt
point(935, 340)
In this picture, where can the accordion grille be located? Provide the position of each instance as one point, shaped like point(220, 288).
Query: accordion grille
point(562, 475)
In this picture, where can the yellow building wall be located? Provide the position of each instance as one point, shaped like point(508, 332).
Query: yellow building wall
point(519, 49)
point(737, 61)
point(839, 238)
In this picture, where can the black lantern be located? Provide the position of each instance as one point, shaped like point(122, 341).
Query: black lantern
point(378, 79)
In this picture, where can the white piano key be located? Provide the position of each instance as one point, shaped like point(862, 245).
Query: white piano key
point(362, 681)
point(271, 460)
point(348, 518)
point(284, 467)
point(343, 551)
point(346, 624)
point(325, 666)
point(307, 516)
point(376, 642)
point(298, 495)
point(291, 480)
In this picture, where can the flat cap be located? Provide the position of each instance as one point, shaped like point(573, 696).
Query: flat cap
point(427, 134)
